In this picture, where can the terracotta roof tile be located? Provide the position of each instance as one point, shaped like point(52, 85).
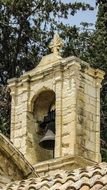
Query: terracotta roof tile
point(89, 178)
point(104, 188)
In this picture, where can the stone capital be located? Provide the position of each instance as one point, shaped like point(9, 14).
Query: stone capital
point(12, 83)
point(99, 77)
point(100, 74)
point(25, 78)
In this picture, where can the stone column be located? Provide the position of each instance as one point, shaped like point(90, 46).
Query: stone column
point(99, 79)
point(24, 127)
point(58, 91)
point(74, 83)
point(12, 86)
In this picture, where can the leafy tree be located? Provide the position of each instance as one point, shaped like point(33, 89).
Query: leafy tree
point(5, 105)
point(26, 28)
point(78, 41)
point(97, 56)
point(101, 59)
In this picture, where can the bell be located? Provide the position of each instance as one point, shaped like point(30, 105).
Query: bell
point(48, 141)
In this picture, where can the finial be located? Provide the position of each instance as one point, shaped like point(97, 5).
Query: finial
point(56, 44)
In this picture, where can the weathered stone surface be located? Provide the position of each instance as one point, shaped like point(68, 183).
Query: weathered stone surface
point(75, 89)
point(13, 165)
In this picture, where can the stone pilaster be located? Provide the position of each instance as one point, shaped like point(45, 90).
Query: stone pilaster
point(99, 78)
point(75, 80)
point(12, 86)
point(24, 114)
point(58, 91)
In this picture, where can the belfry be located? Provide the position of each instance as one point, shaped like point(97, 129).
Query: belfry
point(55, 114)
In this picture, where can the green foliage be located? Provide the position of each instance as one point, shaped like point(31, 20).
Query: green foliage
point(101, 60)
point(26, 28)
point(5, 102)
point(98, 58)
point(77, 41)
point(104, 155)
point(100, 38)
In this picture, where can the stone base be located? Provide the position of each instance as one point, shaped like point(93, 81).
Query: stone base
point(66, 163)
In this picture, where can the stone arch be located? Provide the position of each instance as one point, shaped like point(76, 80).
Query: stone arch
point(13, 165)
point(40, 104)
point(43, 103)
point(35, 96)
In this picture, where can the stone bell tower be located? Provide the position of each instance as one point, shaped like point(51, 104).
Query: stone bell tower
point(72, 87)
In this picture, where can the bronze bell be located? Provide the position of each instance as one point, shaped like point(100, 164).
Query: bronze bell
point(48, 141)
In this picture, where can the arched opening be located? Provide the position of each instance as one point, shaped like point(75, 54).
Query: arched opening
point(44, 116)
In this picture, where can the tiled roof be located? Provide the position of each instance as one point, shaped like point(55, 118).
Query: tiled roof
point(93, 178)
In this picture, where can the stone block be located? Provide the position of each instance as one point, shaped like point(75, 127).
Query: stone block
point(90, 90)
point(66, 129)
point(17, 142)
point(68, 118)
point(65, 151)
point(66, 139)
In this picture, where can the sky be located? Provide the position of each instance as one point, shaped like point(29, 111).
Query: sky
point(83, 16)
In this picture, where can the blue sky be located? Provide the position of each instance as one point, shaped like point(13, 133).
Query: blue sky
point(83, 16)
